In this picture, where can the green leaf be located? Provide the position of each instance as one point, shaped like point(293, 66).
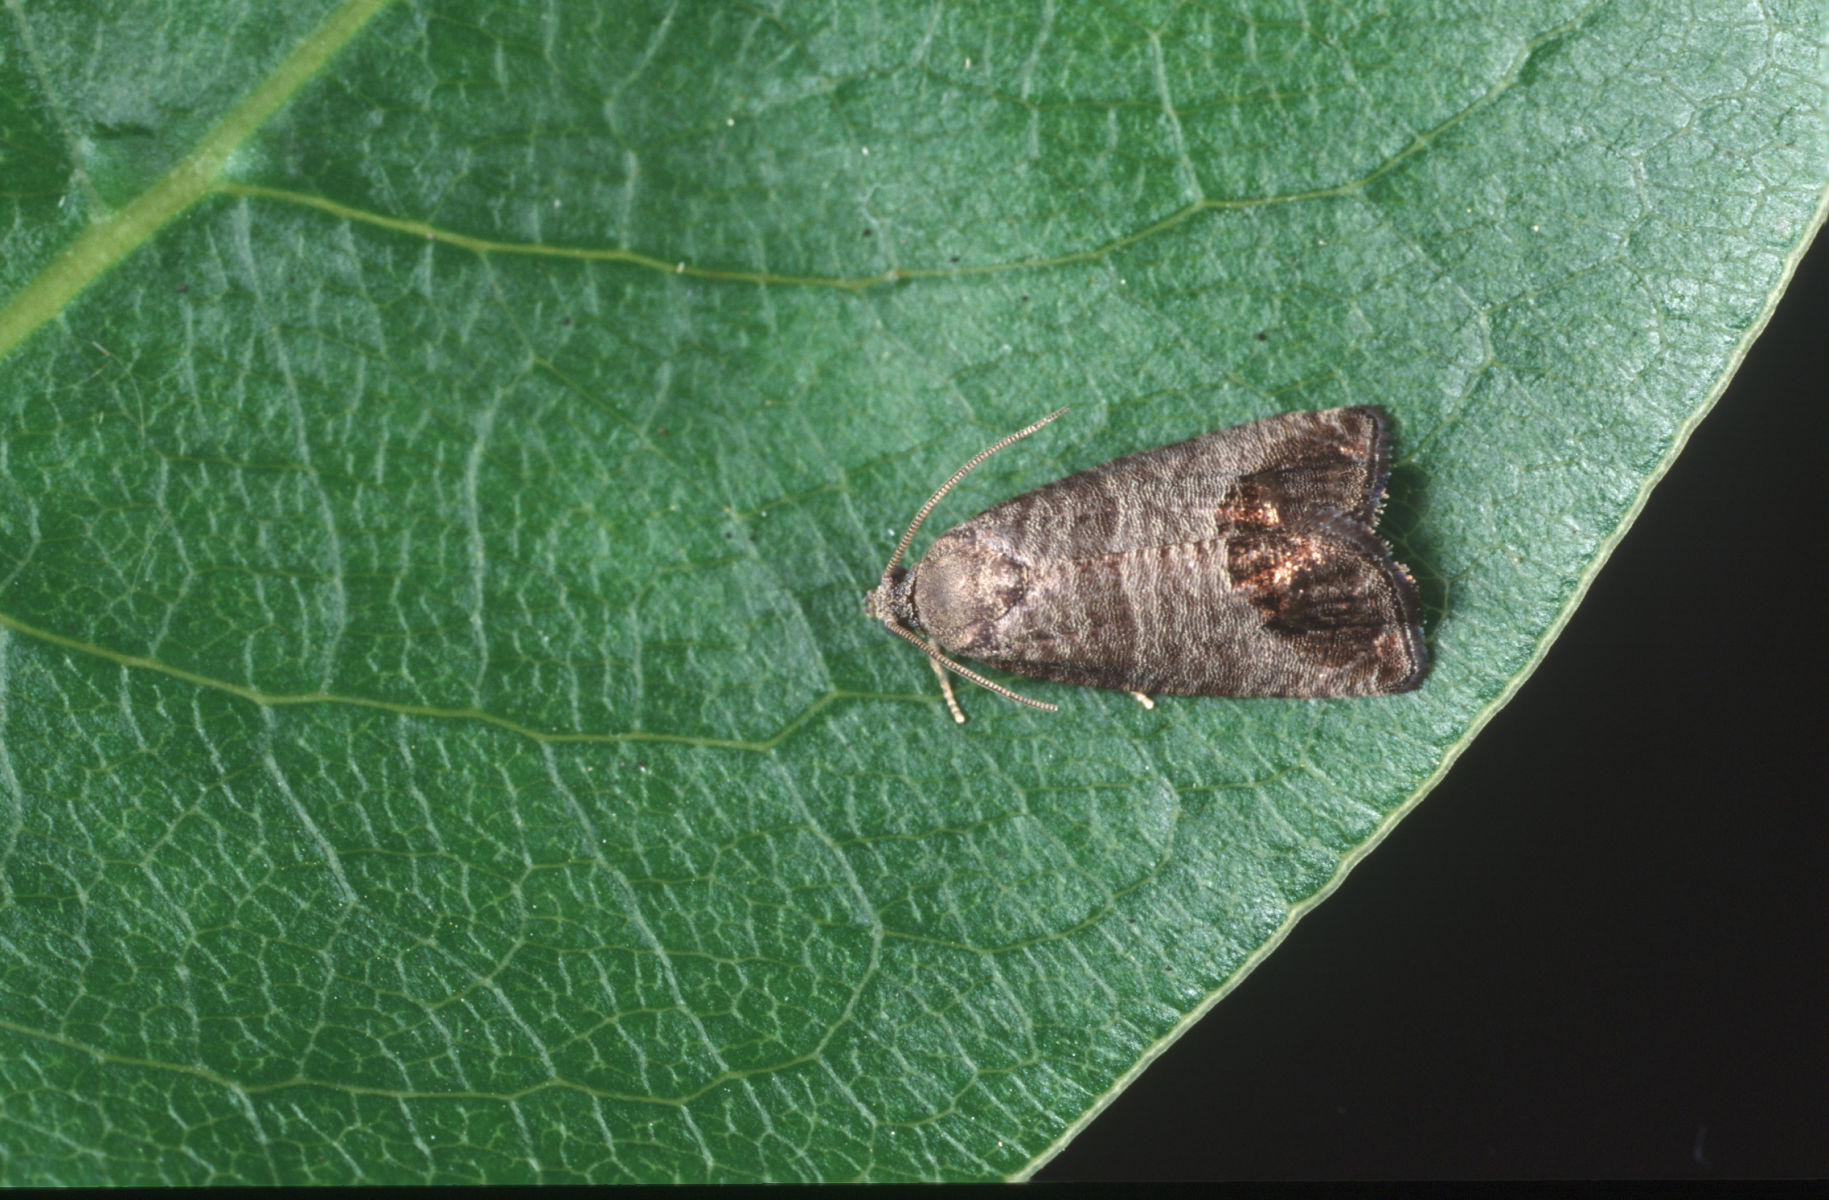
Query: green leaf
point(445, 449)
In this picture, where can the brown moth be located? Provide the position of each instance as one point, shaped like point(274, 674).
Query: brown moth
point(1238, 563)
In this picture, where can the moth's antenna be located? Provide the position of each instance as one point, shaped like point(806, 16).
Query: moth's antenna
point(934, 654)
point(961, 473)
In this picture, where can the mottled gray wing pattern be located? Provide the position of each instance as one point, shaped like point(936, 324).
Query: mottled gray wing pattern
point(1271, 471)
point(1316, 608)
point(1239, 563)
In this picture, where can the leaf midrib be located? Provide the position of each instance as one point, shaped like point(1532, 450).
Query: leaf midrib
point(114, 236)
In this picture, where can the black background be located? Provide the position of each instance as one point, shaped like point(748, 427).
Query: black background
point(1597, 949)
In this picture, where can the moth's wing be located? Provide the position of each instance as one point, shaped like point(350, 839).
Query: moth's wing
point(1275, 471)
point(1238, 563)
point(1311, 608)
point(1336, 460)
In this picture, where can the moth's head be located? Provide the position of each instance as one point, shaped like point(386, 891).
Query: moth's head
point(889, 601)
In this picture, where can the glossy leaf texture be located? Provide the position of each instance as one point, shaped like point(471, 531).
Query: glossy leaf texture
point(445, 448)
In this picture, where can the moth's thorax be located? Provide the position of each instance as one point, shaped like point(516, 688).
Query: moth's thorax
point(965, 583)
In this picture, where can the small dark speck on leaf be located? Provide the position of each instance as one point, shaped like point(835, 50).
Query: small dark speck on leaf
point(1263, 337)
point(866, 233)
point(567, 321)
point(183, 288)
point(660, 431)
point(954, 258)
point(1025, 297)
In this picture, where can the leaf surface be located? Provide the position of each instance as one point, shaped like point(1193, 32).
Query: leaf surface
point(446, 447)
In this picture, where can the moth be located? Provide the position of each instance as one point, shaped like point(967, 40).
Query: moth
point(1239, 563)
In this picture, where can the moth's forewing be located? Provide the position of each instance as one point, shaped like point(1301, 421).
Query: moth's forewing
point(1265, 472)
point(1239, 563)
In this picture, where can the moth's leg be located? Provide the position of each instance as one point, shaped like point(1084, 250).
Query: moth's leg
point(946, 689)
point(1145, 701)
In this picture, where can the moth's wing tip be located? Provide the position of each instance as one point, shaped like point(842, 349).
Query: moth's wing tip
point(1405, 602)
point(1419, 664)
